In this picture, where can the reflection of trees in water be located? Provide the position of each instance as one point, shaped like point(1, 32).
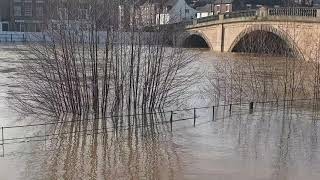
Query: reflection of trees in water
point(283, 152)
point(274, 142)
point(130, 154)
point(279, 140)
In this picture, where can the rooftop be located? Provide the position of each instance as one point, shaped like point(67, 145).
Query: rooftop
point(205, 8)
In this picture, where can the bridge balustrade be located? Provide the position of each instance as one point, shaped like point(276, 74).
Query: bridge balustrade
point(306, 12)
point(262, 12)
point(237, 14)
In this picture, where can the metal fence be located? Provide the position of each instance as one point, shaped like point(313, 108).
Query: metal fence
point(47, 131)
point(13, 37)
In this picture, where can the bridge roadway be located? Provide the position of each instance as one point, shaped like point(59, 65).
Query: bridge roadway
point(299, 28)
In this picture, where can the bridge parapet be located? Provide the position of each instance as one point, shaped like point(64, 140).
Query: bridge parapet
point(240, 14)
point(208, 19)
point(312, 14)
point(304, 12)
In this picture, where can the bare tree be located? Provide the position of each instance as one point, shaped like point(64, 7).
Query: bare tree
point(87, 66)
point(271, 70)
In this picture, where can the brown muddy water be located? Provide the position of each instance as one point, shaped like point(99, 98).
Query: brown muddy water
point(274, 142)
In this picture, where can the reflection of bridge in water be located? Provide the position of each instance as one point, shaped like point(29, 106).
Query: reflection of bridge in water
point(274, 30)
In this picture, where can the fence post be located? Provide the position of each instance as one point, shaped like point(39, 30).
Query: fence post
point(11, 37)
point(251, 107)
point(212, 113)
point(2, 141)
point(230, 108)
point(194, 117)
point(45, 136)
point(171, 119)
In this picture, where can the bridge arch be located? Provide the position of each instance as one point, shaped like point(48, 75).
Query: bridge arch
point(195, 39)
point(272, 41)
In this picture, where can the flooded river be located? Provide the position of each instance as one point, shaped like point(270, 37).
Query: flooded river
point(274, 142)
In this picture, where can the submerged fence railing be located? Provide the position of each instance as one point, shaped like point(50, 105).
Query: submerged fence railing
point(192, 114)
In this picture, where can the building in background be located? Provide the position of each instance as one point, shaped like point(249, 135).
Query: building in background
point(64, 14)
point(4, 15)
point(192, 3)
point(179, 10)
point(22, 15)
point(215, 7)
point(316, 3)
point(27, 15)
point(35, 15)
point(304, 2)
point(152, 12)
point(206, 10)
point(225, 6)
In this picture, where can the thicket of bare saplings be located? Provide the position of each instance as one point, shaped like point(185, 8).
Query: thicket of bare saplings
point(97, 66)
point(273, 72)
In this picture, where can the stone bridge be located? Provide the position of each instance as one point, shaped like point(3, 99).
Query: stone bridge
point(263, 30)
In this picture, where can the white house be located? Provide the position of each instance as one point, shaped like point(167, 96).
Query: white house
point(176, 11)
point(181, 11)
point(204, 11)
point(163, 18)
